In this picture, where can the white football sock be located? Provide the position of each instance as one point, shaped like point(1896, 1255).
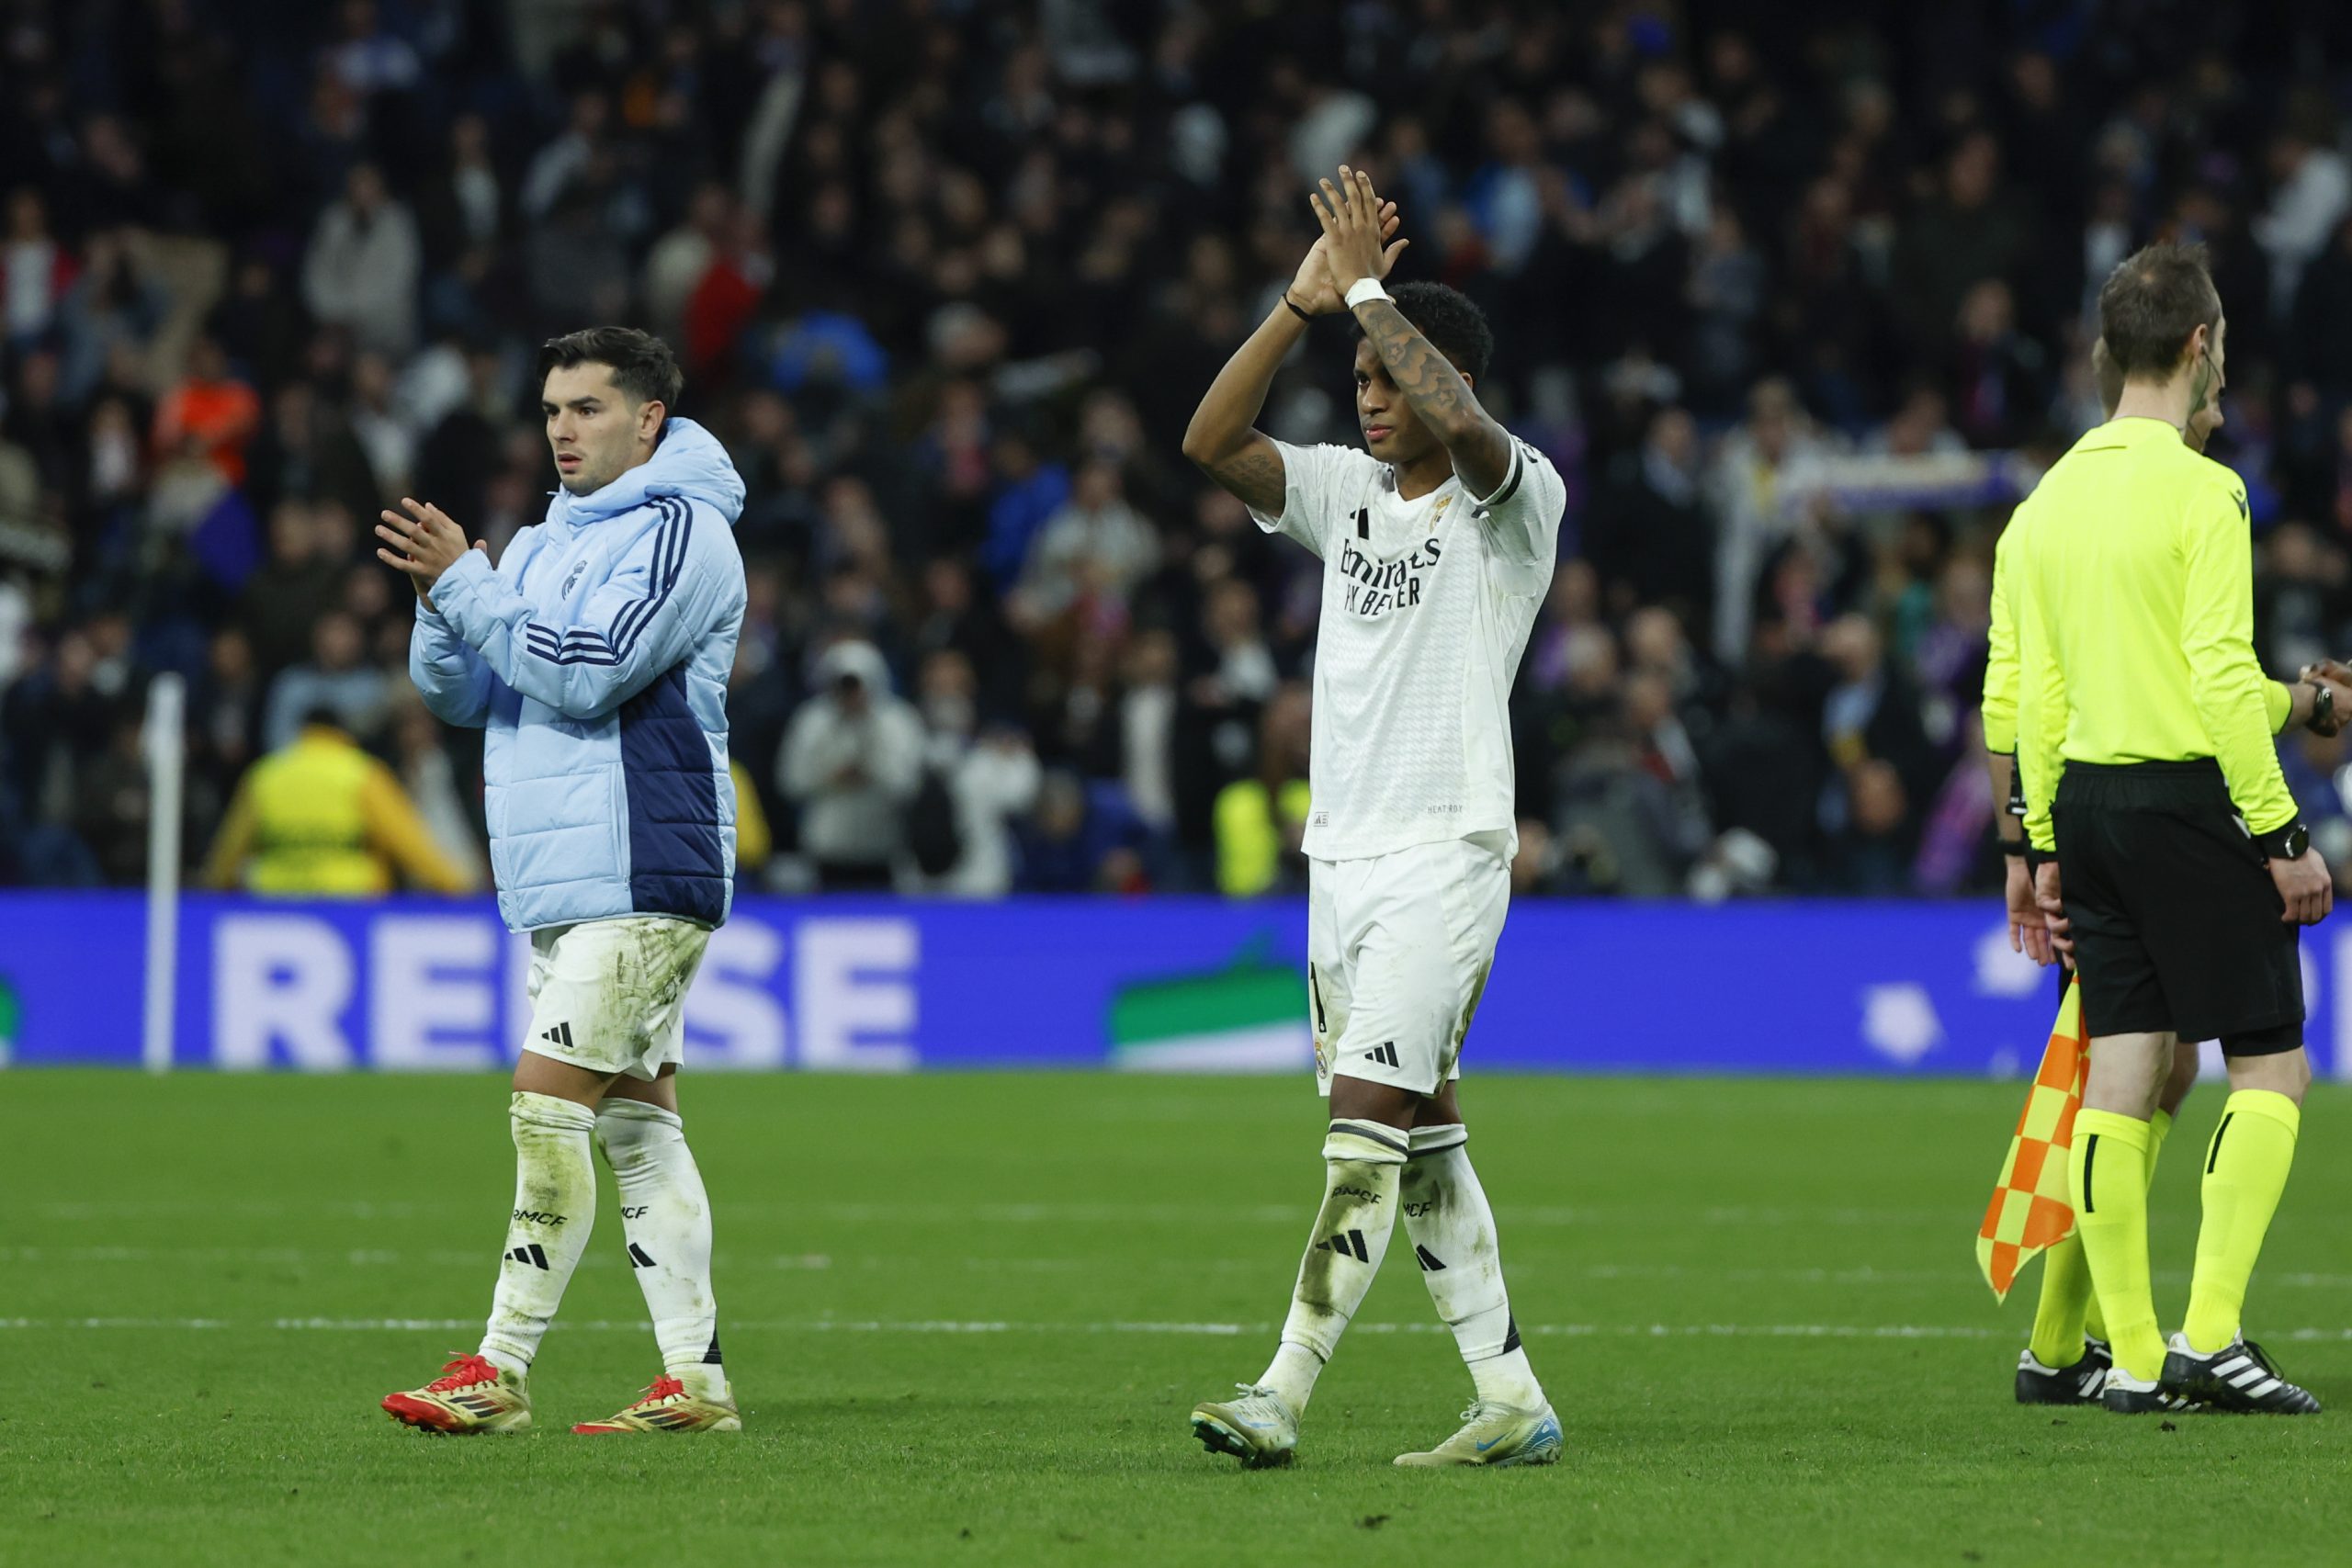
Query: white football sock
point(665, 1218)
point(555, 1208)
point(1453, 1231)
point(1361, 1160)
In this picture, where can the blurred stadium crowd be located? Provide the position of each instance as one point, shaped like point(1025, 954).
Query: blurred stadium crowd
point(948, 278)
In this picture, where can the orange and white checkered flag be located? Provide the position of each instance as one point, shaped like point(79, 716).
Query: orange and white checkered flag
point(2032, 1205)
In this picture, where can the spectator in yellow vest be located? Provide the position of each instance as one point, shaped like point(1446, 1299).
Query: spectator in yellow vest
point(320, 816)
point(1259, 821)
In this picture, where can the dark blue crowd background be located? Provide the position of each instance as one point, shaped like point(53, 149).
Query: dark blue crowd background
point(1792, 293)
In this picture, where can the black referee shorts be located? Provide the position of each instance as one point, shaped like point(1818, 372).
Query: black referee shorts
point(2176, 920)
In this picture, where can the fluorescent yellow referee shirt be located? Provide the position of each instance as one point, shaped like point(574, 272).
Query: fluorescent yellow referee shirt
point(2128, 572)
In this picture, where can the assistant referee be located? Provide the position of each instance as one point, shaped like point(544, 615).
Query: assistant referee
point(2144, 725)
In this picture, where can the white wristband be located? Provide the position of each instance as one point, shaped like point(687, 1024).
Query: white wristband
point(1366, 289)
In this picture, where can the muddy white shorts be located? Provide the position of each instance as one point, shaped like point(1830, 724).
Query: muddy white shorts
point(1398, 950)
point(610, 996)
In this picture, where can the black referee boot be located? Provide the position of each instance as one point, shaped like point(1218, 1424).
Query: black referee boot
point(2237, 1378)
point(2082, 1383)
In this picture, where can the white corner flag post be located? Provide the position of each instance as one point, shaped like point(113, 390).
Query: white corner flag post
point(166, 748)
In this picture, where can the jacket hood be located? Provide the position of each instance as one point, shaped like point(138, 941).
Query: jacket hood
point(689, 461)
point(854, 657)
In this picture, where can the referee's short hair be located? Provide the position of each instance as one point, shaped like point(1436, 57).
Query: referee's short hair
point(642, 365)
point(2151, 302)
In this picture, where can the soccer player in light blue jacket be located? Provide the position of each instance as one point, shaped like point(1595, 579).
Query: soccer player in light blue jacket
point(594, 654)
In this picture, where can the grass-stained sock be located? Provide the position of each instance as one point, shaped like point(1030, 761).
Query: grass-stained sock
point(555, 1208)
point(1362, 1163)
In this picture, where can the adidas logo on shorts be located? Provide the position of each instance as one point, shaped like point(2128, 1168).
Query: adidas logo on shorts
point(559, 1035)
point(1385, 1053)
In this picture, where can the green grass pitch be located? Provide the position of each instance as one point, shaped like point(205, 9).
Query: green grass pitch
point(967, 1315)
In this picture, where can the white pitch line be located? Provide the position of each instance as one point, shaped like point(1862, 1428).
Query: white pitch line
point(949, 1325)
point(1040, 1214)
point(359, 1258)
point(443, 1258)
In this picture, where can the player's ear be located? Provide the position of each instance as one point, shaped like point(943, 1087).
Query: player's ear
point(650, 418)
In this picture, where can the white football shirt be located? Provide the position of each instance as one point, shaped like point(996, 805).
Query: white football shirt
point(1427, 606)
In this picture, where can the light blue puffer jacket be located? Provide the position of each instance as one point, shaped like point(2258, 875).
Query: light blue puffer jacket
point(596, 655)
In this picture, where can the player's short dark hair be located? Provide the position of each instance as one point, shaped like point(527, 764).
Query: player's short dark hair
point(2151, 302)
point(641, 364)
point(1449, 319)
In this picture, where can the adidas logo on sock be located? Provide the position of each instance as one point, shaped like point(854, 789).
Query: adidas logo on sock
point(1347, 1244)
point(1429, 1260)
point(1385, 1053)
point(638, 1257)
point(531, 1253)
point(559, 1035)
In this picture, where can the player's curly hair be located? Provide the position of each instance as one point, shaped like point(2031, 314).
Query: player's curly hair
point(1449, 319)
point(641, 364)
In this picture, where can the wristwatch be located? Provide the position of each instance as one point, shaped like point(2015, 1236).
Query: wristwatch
point(2284, 843)
point(2322, 718)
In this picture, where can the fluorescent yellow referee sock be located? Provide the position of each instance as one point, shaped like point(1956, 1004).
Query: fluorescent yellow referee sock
point(2093, 1322)
point(2108, 1165)
point(2246, 1169)
point(2060, 1316)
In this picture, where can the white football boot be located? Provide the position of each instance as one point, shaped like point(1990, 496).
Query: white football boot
point(1258, 1428)
point(1497, 1435)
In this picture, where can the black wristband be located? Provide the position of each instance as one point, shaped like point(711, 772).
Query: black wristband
point(1302, 315)
point(2013, 852)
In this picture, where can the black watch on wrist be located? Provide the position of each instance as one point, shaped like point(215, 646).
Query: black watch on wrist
point(2322, 718)
point(2284, 843)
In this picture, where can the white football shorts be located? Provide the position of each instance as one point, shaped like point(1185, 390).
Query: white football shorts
point(1398, 950)
point(610, 996)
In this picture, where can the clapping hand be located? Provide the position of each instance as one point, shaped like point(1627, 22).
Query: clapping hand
point(425, 542)
point(1356, 226)
point(1312, 291)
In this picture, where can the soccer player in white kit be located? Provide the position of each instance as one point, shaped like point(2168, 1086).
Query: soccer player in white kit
point(1438, 542)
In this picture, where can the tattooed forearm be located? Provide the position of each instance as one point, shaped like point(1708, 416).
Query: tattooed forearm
point(1437, 392)
point(1255, 474)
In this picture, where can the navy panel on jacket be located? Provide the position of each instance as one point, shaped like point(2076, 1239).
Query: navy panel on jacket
point(676, 862)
